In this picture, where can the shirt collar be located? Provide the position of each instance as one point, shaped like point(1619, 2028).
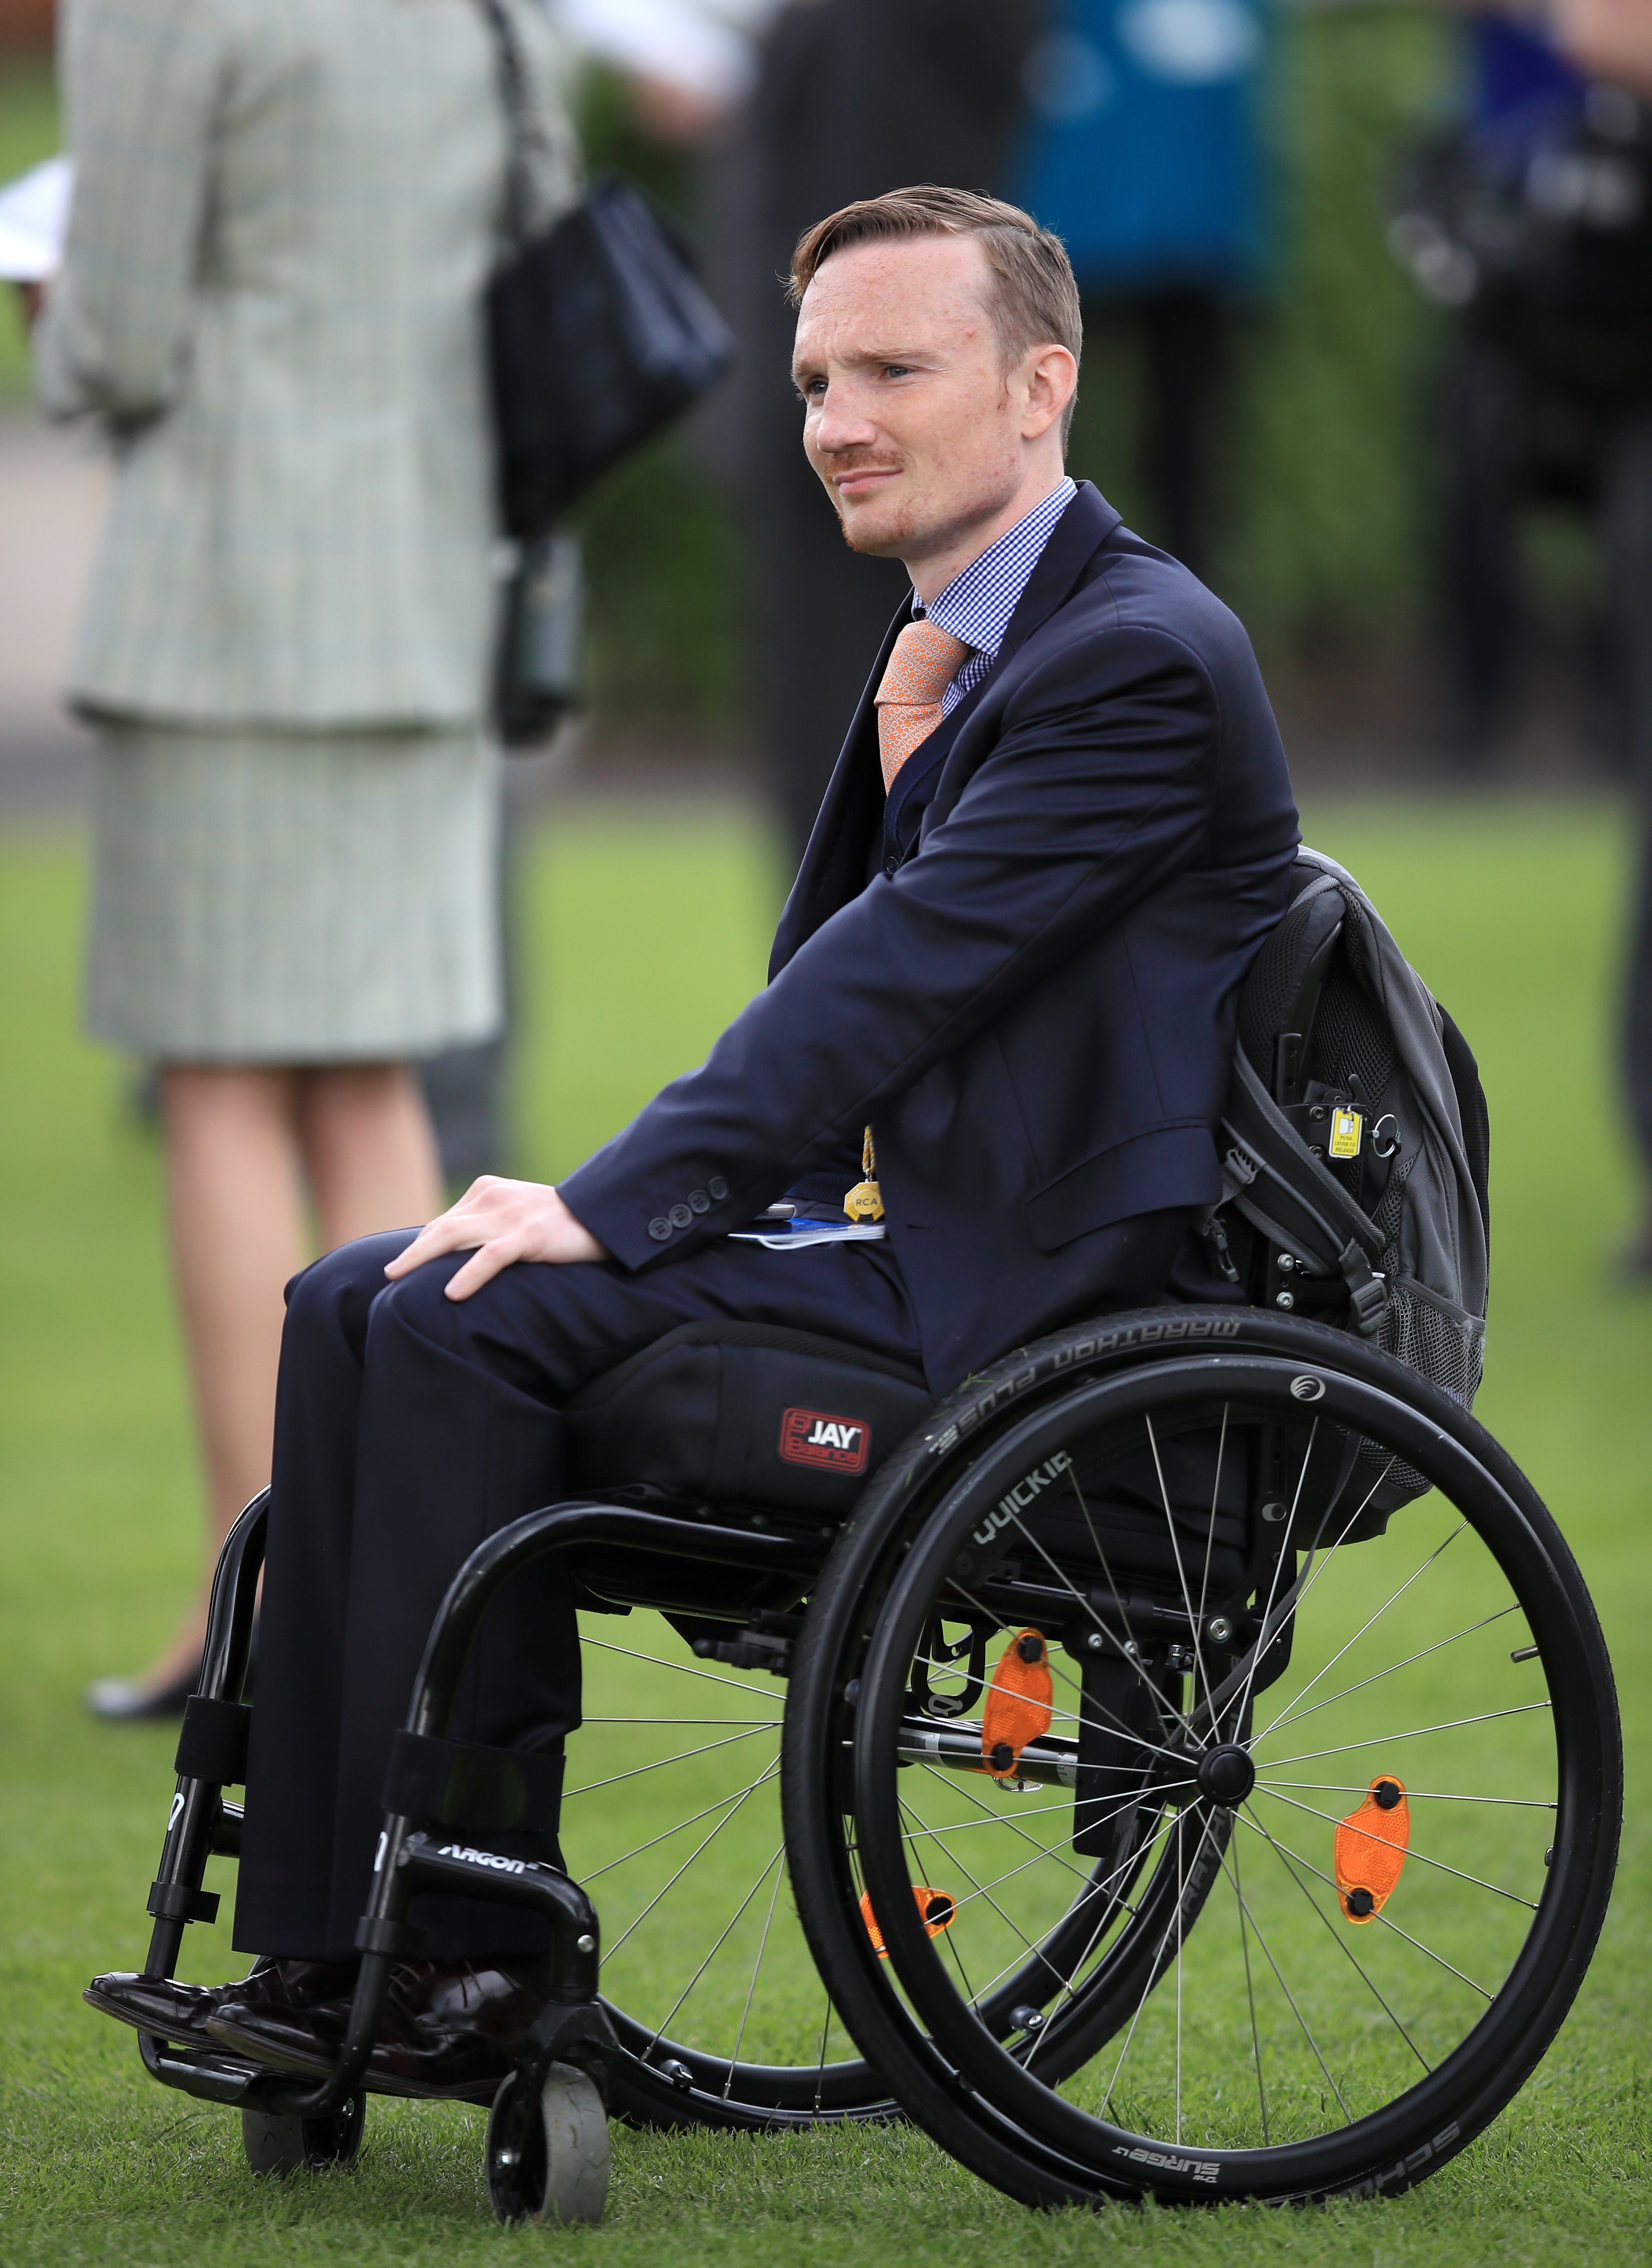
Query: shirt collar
point(976, 605)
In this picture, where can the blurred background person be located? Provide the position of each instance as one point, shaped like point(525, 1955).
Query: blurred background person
point(1532, 222)
point(282, 218)
point(1142, 151)
point(851, 98)
point(800, 107)
point(1528, 221)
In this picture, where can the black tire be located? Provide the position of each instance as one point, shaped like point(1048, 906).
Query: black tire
point(283, 2145)
point(958, 2068)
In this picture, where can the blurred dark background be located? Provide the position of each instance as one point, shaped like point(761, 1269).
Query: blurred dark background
point(1324, 542)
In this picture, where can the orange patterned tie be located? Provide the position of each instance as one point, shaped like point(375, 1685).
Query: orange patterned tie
point(923, 664)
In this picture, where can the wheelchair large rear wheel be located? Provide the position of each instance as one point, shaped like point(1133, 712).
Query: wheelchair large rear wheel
point(1212, 1839)
point(671, 1820)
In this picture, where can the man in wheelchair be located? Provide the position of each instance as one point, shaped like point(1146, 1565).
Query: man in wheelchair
point(998, 1024)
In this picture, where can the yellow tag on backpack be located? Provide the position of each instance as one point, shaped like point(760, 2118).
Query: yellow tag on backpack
point(1345, 1128)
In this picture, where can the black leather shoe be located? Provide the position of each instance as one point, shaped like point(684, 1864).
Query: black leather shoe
point(451, 2030)
point(180, 2012)
point(127, 1700)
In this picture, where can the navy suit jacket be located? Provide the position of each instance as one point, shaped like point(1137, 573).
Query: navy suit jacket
point(1033, 999)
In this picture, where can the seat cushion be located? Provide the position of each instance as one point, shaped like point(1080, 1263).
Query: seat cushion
point(745, 1414)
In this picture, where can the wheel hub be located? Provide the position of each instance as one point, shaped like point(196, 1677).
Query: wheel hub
point(1226, 1774)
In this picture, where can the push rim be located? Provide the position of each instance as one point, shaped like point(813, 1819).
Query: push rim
point(1119, 1991)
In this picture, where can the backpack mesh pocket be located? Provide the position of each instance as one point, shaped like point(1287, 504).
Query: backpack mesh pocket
point(1446, 1346)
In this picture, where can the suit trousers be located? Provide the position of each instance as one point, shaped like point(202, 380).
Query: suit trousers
point(408, 1428)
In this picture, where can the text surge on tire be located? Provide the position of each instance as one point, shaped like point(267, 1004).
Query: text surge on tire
point(1305, 1871)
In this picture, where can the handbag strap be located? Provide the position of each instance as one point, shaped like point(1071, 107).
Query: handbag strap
point(523, 125)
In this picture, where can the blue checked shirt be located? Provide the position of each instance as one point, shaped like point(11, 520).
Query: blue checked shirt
point(976, 606)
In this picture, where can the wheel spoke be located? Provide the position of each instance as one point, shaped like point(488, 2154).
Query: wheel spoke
point(1009, 1874)
point(1290, 1709)
point(1326, 1557)
point(1114, 1724)
point(659, 1763)
point(1257, 1649)
point(1107, 1722)
point(1294, 2010)
point(762, 1948)
point(1210, 1532)
point(984, 1891)
point(1417, 1732)
point(1413, 1794)
point(996, 1818)
point(1293, 1715)
point(1162, 1699)
point(716, 1948)
point(658, 1662)
point(1153, 1975)
point(1181, 1893)
point(1348, 1954)
point(1257, 1828)
point(1250, 1989)
point(762, 1779)
point(951, 1781)
point(1198, 1659)
point(1096, 1887)
point(590, 1874)
point(756, 1724)
point(819, 2069)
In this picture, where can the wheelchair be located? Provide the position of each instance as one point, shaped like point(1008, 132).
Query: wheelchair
point(1183, 1764)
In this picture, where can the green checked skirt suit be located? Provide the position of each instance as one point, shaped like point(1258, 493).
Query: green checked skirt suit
point(284, 213)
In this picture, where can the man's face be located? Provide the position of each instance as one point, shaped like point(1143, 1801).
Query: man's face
point(911, 420)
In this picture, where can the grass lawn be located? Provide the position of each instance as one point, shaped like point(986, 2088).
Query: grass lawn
point(643, 936)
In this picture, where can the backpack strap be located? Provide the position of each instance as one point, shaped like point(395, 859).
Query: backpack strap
point(1270, 1176)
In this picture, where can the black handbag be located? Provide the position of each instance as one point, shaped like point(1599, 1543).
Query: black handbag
point(599, 332)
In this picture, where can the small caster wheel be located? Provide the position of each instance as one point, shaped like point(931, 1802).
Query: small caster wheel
point(278, 2145)
point(547, 2153)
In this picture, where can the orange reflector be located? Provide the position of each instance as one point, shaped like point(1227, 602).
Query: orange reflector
point(935, 1907)
point(1018, 1700)
point(1370, 1849)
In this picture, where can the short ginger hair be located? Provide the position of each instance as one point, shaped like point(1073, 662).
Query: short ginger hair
point(1035, 298)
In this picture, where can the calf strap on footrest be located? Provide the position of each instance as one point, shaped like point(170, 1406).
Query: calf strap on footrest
point(177, 1902)
point(213, 1742)
point(479, 1790)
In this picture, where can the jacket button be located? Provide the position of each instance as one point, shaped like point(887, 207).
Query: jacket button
point(659, 1228)
point(680, 1216)
point(892, 865)
point(717, 1188)
point(698, 1201)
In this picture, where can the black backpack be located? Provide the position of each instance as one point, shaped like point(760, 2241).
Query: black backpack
point(1357, 1144)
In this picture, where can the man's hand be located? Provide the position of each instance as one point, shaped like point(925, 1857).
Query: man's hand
point(501, 1222)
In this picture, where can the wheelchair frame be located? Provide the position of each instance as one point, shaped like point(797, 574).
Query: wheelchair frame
point(974, 2104)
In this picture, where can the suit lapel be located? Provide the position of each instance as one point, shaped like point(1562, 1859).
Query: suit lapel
point(1077, 536)
point(834, 868)
point(1074, 540)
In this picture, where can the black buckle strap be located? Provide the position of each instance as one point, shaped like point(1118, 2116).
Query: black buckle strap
point(1367, 1295)
point(213, 1742)
point(177, 1902)
point(479, 1790)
